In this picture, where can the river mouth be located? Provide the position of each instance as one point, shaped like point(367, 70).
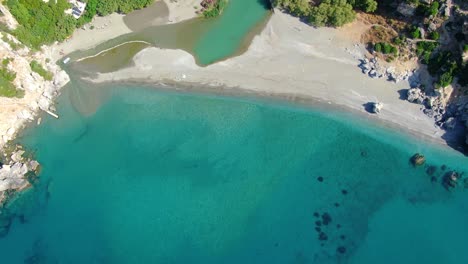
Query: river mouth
point(208, 40)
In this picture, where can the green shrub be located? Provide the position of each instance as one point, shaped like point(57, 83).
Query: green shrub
point(400, 40)
point(44, 23)
point(385, 48)
point(7, 88)
point(37, 68)
point(215, 9)
point(378, 47)
point(368, 6)
point(332, 13)
point(465, 47)
point(434, 35)
point(415, 33)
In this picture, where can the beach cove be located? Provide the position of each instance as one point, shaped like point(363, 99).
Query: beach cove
point(265, 157)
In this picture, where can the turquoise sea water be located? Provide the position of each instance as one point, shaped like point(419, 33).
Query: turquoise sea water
point(159, 177)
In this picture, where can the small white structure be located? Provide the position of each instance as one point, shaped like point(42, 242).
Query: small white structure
point(77, 9)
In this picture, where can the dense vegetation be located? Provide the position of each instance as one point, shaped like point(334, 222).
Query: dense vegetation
point(37, 68)
point(213, 8)
point(329, 12)
point(44, 23)
point(7, 88)
point(385, 48)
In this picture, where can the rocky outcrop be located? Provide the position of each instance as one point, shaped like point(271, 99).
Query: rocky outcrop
point(14, 170)
point(373, 69)
point(418, 159)
point(39, 94)
point(15, 113)
point(415, 95)
point(376, 107)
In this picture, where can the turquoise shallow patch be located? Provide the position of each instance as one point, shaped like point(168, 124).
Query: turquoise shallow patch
point(157, 177)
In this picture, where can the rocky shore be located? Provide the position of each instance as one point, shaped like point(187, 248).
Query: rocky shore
point(16, 113)
point(438, 104)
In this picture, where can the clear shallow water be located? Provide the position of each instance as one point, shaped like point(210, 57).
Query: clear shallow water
point(157, 177)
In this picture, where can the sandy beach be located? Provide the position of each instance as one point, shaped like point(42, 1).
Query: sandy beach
point(291, 60)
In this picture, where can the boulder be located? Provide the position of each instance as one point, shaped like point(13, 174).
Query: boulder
point(450, 179)
point(415, 95)
point(418, 159)
point(406, 10)
point(376, 107)
point(373, 73)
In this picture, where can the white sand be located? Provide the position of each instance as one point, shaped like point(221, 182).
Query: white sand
point(290, 60)
point(180, 10)
point(105, 28)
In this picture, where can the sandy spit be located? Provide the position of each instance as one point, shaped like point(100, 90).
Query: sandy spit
point(289, 60)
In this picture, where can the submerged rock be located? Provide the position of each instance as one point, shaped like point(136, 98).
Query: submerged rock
point(450, 179)
point(341, 250)
point(418, 159)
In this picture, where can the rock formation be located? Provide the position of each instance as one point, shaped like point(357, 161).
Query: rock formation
point(15, 113)
point(418, 159)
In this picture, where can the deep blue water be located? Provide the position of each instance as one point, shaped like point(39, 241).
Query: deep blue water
point(159, 177)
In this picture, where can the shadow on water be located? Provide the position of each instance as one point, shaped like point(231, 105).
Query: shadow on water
point(267, 4)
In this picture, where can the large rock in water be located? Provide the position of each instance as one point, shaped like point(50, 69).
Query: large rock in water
point(418, 159)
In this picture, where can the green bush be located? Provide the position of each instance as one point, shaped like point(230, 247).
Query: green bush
point(216, 9)
point(37, 68)
point(300, 8)
point(444, 66)
point(364, 5)
point(7, 88)
point(424, 50)
point(400, 40)
point(332, 13)
point(434, 35)
point(385, 48)
point(415, 33)
point(465, 47)
point(44, 23)
point(428, 10)
point(378, 47)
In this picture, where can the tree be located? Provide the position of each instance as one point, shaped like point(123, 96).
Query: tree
point(364, 5)
point(332, 13)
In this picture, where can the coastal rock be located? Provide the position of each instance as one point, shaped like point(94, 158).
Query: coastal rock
point(415, 95)
point(450, 123)
point(418, 159)
point(12, 177)
point(17, 156)
point(376, 107)
point(450, 179)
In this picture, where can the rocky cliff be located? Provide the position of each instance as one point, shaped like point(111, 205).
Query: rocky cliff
point(16, 113)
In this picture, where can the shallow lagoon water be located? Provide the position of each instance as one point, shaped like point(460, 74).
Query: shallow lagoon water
point(163, 177)
point(208, 40)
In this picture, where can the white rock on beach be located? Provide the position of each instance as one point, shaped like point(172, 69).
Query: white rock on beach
point(376, 107)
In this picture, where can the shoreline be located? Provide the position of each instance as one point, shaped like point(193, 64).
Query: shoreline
point(288, 59)
point(308, 103)
point(18, 113)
